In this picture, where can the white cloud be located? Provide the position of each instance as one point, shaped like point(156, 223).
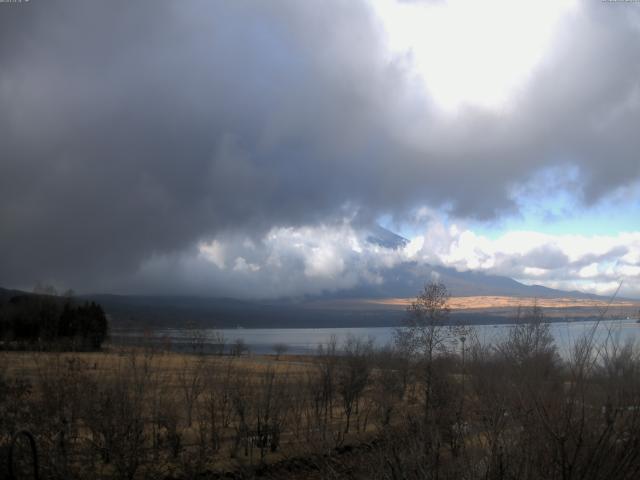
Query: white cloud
point(293, 261)
point(213, 252)
point(535, 271)
point(470, 52)
point(241, 265)
point(592, 263)
point(338, 256)
point(590, 271)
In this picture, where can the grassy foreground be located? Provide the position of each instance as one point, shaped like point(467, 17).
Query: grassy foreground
point(513, 410)
point(146, 413)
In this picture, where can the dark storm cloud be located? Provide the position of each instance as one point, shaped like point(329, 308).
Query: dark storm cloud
point(135, 129)
point(138, 128)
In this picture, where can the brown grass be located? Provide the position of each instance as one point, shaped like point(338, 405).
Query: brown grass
point(490, 302)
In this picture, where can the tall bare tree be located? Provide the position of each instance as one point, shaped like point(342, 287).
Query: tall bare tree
point(427, 331)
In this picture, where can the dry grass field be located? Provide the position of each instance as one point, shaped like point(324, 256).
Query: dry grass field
point(149, 413)
point(491, 302)
point(492, 412)
point(498, 308)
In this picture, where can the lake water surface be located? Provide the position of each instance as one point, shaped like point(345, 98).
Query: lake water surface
point(307, 340)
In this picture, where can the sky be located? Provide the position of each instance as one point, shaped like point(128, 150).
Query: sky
point(249, 148)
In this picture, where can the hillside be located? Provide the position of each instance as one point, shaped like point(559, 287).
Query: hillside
point(476, 298)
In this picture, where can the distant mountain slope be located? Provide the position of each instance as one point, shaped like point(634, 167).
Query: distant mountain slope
point(402, 281)
point(406, 279)
point(141, 311)
point(331, 309)
point(6, 294)
point(382, 237)
point(177, 312)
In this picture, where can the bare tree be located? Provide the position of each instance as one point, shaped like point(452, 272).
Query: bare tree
point(353, 374)
point(216, 409)
point(114, 415)
point(196, 338)
point(270, 411)
point(191, 382)
point(218, 341)
point(427, 331)
point(280, 349)
point(239, 348)
point(324, 385)
point(530, 340)
point(389, 382)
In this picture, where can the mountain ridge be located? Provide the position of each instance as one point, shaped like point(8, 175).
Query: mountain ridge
point(346, 308)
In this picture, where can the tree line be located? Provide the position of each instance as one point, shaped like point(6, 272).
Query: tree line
point(49, 321)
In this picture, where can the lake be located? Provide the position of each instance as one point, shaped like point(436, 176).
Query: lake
point(307, 340)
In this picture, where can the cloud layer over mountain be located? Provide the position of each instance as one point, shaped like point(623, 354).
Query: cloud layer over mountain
point(246, 147)
point(332, 258)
